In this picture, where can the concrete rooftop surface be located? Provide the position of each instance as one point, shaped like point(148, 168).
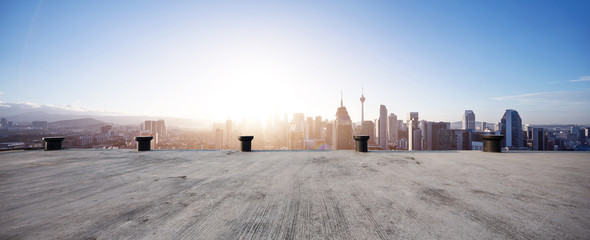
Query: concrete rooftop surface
point(124, 194)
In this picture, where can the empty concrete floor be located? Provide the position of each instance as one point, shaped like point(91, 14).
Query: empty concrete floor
point(123, 194)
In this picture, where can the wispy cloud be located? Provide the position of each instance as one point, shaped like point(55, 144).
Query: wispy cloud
point(559, 97)
point(582, 79)
point(1, 93)
point(9, 108)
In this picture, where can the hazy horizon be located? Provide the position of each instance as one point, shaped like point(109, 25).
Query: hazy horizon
point(216, 60)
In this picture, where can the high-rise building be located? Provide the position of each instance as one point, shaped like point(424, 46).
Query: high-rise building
point(3, 123)
point(309, 123)
point(329, 133)
point(342, 129)
point(539, 143)
point(414, 140)
point(368, 129)
point(317, 127)
point(422, 127)
point(576, 131)
point(161, 128)
point(527, 134)
point(511, 128)
point(383, 127)
point(228, 130)
point(413, 119)
point(218, 138)
point(393, 128)
point(296, 137)
point(469, 120)
point(431, 134)
point(147, 125)
point(454, 139)
point(376, 139)
point(155, 127)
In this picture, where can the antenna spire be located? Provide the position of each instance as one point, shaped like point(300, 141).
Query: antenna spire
point(341, 102)
point(362, 105)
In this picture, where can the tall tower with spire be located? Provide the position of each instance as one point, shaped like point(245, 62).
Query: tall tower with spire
point(342, 129)
point(362, 105)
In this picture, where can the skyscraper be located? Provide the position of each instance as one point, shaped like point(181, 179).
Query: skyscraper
point(3, 123)
point(342, 129)
point(575, 130)
point(317, 127)
point(454, 139)
point(157, 128)
point(218, 138)
point(383, 127)
point(469, 120)
point(416, 140)
point(511, 128)
point(329, 133)
point(161, 128)
point(368, 129)
point(309, 128)
point(414, 133)
point(413, 119)
point(538, 135)
point(296, 135)
point(228, 129)
point(393, 128)
point(432, 133)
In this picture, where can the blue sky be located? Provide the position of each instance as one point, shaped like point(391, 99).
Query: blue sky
point(238, 59)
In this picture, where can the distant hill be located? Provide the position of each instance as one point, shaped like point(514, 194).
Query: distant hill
point(78, 123)
point(94, 119)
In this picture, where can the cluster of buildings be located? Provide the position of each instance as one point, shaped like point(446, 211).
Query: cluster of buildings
point(5, 124)
point(387, 132)
point(390, 133)
point(29, 134)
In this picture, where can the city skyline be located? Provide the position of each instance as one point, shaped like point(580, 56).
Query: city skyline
point(215, 60)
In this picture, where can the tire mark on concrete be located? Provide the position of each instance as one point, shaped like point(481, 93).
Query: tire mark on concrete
point(492, 223)
point(335, 223)
point(294, 210)
point(174, 202)
point(369, 215)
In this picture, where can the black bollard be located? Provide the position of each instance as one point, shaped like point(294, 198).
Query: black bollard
point(53, 143)
point(246, 143)
point(491, 143)
point(361, 143)
point(143, 143)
